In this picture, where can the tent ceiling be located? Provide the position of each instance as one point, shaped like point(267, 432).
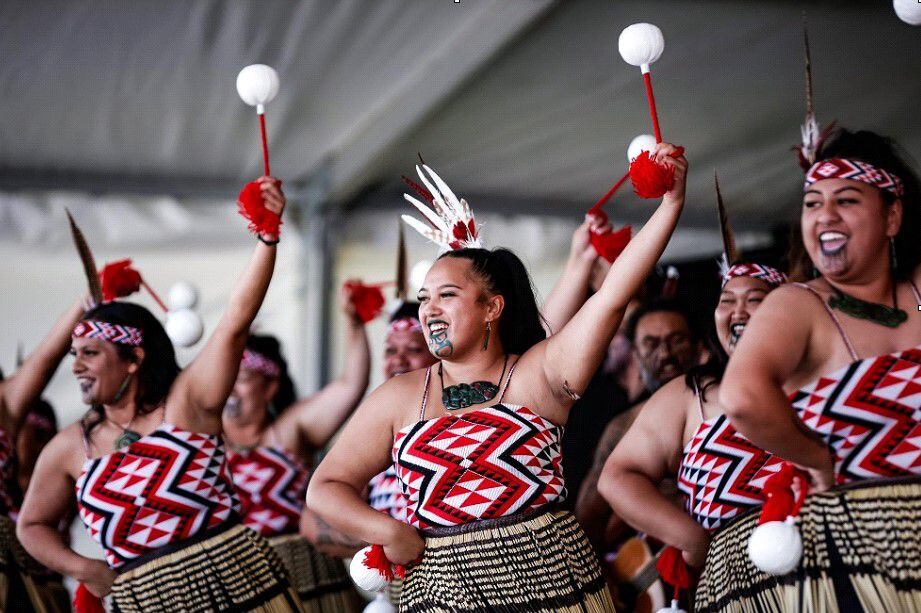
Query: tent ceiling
point(522, 105)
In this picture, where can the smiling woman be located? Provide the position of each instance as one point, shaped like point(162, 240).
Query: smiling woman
point(813, 381)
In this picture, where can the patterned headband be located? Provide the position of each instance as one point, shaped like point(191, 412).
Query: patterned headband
point(255, 361)
point(404, 324)
point(840, 168)
point(112, 333)
point(769, 275)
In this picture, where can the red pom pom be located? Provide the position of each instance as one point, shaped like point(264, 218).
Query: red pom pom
point(368, 300)
point(780, 502)
point(376, 559)
point(673, 569)
point(609, 245)
point(652, 180)
point(252, 208)
point(118, 280)
point(86, 602)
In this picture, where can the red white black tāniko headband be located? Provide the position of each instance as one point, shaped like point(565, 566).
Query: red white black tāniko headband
point(855, 170)
point(255, 361)
point(111, 333)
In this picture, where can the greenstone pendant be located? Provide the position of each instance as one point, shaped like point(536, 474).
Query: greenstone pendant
point(861, 309)
point(465, 395)
point(127, 437)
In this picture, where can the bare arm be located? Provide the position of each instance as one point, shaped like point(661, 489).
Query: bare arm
point(570, 357)
point(46, 505)
point(26, 385)
point(571, 289)
point(646, 456)
point(752, 392)
point(325, 538)
point(318, 417)
point(362, 451)
point(202, 388)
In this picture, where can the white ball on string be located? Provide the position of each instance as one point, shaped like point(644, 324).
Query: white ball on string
point(182, 295)
point(368, 579)
point(639, 144)
point(184, 327)
point(776, 547)
point(417, 274)
point(641, 44)
point(380, 604)
point(908, 11)
point(257, 84)
point(673, 608)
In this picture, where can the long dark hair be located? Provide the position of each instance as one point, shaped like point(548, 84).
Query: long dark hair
point(270, 347)
point(159, 369)
point(703, 376)
point(504, 274)
point(885, 153)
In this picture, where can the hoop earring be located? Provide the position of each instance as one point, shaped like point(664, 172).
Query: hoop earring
point(488, 331)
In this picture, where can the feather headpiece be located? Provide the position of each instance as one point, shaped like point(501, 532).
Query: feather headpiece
point(730, 253)
point(451, 220)
point(812, 136)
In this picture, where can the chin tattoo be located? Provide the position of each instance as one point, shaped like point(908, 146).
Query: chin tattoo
point(440, 346)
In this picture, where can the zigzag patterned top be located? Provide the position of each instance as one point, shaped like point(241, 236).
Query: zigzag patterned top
point(386, 495)
point(162, 489)
point(869, 412)
point(722, 473)
point(483, 464)
point(271, 484)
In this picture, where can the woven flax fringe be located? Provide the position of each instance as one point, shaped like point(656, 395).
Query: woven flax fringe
point(26, 585)
point(540, 564)
point(861, 552)
point(320, 581)
point(236, 570)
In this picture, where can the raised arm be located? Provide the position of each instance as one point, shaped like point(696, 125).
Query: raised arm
point(752, 392)
point(202, 388)
point(649, 453)
point(571, 356)
point(26, 385)
point(46, 505)
point(571, 289)
point(318, 417)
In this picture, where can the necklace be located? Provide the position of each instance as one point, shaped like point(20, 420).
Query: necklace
point(884, 315)
point(128, 435)
point(464, 395)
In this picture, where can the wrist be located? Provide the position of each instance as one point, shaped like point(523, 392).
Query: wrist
point(84, 569)
point(268, 239)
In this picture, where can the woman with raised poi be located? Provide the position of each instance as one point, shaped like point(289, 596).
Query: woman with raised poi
point(682, 433)
point(148, 465)
point(272, 439)
point(838, 392)
point(480, 461)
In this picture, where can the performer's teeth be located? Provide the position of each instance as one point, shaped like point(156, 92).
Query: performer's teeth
point(832, 242)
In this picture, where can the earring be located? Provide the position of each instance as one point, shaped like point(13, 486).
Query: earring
point(893, 262)
point(486, 340)
point(122, 388)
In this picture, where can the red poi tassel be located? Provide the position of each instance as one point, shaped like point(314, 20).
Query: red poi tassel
point(252, 208)
point(368, 300)
point(119, 280)
point(675, 571)
point(610, 245)
point(652, 180)
point(86, 602)
point(376, 559)
point(778, 490)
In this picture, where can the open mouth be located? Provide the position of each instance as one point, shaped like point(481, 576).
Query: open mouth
point(832, 243)
point(735, 332)
point(436, 326)
point(232, 406)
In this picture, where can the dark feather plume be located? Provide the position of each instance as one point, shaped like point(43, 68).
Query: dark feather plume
point(86, 256)
point(401, 278)
point(730, 253)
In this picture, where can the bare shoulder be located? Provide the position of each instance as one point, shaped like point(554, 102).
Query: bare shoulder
point(400, 398)
point(67, 451)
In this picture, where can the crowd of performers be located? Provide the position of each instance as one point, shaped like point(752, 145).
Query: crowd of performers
point(200, 487)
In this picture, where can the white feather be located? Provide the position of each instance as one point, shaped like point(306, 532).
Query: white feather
point(446, 192)
point(445, 211)
point(425, 210)
point(437, 237)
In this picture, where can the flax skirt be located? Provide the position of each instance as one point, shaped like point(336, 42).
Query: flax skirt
point(26, 585)
point(533, 562)
point(861, 552)
point(234, 570)
point(320, 581)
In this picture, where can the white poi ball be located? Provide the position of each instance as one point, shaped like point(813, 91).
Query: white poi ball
point(369, 579)
point(639, 144)
point(673, 608)
point(641, 44)
point(184, 327)
point(776, 547)
point(908, 11)
point(380, 604)
point(257, 84)
point(182, 295)
point(417, 274)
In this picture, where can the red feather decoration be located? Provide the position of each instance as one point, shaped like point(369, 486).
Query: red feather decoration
point(252, 208)
point(376, 559)
point(86, 602)
point(368, 300)
point(609, 245)
point(119, 280)
point(652, 180)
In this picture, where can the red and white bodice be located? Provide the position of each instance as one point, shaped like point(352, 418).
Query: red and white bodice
point(166, 487)
point(271, 484)
point(10, 495)
point(722, 474)
point(869, 412)
point(483, 464)
point(385, 494)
